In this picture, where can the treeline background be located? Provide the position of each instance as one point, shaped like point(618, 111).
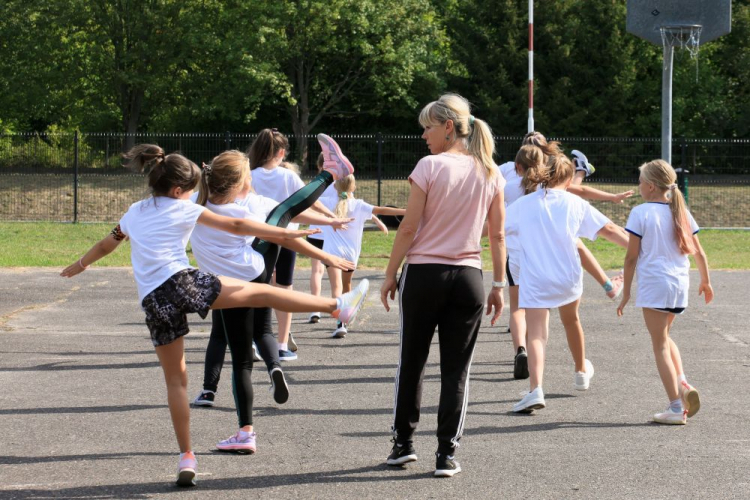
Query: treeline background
point(354, 66)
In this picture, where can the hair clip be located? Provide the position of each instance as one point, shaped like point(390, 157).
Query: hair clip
point(206, 168)
point(672, 187)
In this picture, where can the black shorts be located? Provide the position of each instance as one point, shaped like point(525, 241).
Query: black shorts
point(285, 267)
point(673, 310)
point(316, 242)
point(186, 291)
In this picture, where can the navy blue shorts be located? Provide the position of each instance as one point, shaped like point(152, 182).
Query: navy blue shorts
point(673, 310)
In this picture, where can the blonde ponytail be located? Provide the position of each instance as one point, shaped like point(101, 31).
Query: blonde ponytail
point(343, 187)
point(531, 160)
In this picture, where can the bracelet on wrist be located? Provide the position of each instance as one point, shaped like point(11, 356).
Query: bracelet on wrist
point(80, 263)
point(499, 284)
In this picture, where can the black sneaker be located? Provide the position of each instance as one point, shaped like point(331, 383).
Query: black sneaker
point(402, 453)
point(446, 465)
point(278, 386)
point(205, 398)
point(521, 364)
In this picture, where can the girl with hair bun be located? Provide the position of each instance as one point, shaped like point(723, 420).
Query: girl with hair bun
point(665, 235)
point(453, 191)
point(169, 288)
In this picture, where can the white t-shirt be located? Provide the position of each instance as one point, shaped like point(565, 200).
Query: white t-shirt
point(512, 191)
point(227, 254)
point(278, 183)
point(159, 228)
point(663, 271)
point(329, 198)
point(348, 243)
point(547, 223)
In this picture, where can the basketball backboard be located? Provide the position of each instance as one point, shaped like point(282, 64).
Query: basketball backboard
point(645, 17)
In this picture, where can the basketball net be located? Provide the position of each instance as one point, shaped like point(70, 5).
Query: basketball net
point(687, 36)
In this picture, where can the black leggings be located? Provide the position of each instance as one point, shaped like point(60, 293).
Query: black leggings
point(235, 327)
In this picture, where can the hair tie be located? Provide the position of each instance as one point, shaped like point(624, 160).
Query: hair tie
point(471, 120)
point(206, 168)
point(672, 187)
point(162, 156)
point(343, 196)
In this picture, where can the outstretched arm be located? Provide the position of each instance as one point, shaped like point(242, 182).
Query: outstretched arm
point(302, 246)
point(311, 217)
point(590, 193)
point(701, 261)
point(380, 224)
point(388, 211)
point(249, 227)
point(615, 234)
point(319, 207)
point(98, 251)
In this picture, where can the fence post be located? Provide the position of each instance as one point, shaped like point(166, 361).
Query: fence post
point(682, 180)
point(75, 177)
point(228, 140)
point(380, 167)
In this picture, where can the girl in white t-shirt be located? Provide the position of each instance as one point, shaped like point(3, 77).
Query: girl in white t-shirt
point(347, 243)
point(665, 234)
point(533, 152)
point(226, 190)
point(169, 288)
point(545, 226)
point(267, 153)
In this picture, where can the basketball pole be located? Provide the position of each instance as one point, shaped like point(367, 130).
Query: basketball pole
point(666, 104)
point(531, 66)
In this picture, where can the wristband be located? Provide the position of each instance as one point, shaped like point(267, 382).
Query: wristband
point(80, 263)
point(499, 284)
point(608, 286)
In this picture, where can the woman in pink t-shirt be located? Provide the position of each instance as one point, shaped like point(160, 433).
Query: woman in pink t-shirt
point(452, 192)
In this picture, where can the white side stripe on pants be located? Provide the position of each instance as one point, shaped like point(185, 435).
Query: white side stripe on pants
point(400, 344)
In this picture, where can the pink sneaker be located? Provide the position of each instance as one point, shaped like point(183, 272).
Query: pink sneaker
point(617, 283)
point(691, 400)
point(334, 161)
point(352, 302)
point(242, 442)
point(186, 469)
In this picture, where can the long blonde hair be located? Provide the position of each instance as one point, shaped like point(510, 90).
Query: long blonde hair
point(343, 187)
point(475, 133)
point(223, 176)
point(662, 175)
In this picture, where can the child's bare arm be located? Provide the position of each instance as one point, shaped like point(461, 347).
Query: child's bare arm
point(249, 227)
point(631, 258)
point(590, 193)
point(388, 211)
point(101, 249)
point(701, 261)
point(615, 234)
point(380, 224)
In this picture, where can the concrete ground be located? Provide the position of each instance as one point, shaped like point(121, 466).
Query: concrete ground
point(84, 411)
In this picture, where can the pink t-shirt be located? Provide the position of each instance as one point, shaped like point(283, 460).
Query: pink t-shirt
point(458, 199)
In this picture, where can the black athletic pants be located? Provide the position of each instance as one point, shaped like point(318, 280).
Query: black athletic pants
point(239, 327)
point(449, 298)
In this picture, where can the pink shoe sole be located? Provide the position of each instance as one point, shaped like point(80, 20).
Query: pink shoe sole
point(332, 154)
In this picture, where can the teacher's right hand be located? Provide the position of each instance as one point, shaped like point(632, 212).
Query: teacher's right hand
point(389, 286)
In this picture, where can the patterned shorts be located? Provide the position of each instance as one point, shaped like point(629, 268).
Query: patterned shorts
point(186, 291)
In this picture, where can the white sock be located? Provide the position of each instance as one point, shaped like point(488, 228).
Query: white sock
point(338, 303)
point(676, 406)
point(283, 346)
point(681, 378)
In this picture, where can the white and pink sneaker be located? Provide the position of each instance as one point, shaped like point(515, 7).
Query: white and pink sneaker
point(186, 469)
point(351, 303)
point(334, 161)
point(242, 442)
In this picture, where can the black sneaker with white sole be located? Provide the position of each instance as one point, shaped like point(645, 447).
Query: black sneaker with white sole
point(278, 386)
point(446, 465)
point(205, 398)
point(402, 453)
point(521, 364)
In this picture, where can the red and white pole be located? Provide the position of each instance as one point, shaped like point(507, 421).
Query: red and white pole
point(531, 66)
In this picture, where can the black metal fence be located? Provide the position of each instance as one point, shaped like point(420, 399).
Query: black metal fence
point(80, 178)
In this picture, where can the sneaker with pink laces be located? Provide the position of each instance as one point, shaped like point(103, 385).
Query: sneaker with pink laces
point(242, 442)
point(691, 400)
point(617, 284)
point(186, 469)
point(670, 417)
point(351, 303)
point(334, 161)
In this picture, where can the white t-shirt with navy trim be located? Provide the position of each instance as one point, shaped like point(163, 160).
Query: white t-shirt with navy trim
point(512, 191)
point(663, 272)
point(329, 198)
point(547, 224)
point(347, 243)
point(226, 254)
point(159, 228)
point(277, 183)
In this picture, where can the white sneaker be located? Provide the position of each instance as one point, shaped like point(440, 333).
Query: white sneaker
point(533, 400)
point(340, 332)
point(691, 400)
point(314, 317)
point(352, 302)
point(671, 418)
point(583, 379)
point(256, 354)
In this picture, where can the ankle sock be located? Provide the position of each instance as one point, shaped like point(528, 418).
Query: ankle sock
point(338, 303)
point(676, 406)
point(681, 378)
point(283, 346)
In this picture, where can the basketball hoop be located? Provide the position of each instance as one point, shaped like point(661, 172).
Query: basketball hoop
point(684, 36)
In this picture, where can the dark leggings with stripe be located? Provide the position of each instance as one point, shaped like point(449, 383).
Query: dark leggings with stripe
point(239, 327)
